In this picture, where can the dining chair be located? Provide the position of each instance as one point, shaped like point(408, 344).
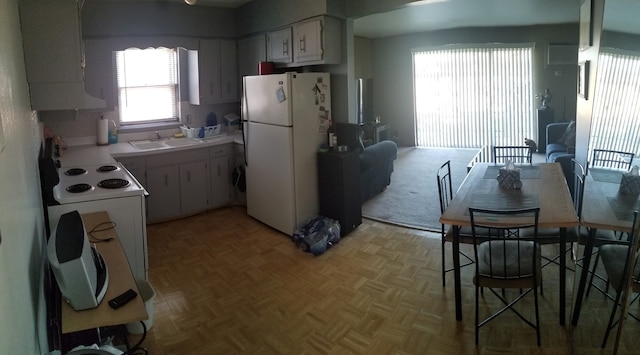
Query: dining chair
point(618, 257)
point(445, 190)
point(602, 236)
point(611, 159)
point(506, 259)
point(517, 154)
point(551, 236)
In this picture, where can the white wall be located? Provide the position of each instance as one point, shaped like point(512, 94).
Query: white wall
point(22, 320)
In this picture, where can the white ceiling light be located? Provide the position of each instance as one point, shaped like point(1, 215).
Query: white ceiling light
point(191, 2)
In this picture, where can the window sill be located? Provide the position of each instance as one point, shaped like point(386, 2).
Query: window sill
point(144, 127)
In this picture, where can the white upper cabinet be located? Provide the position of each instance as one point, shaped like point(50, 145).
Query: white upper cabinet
point(279, 46)
point(213, 72)
point(310, 42)
point(308, 37)
point(228, 71)
point(54, 57)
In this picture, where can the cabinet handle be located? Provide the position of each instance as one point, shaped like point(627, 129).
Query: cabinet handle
point(166, 180)
point(188, 175)
point(302, 44)
point(285, 47)
point(211, 89)
point(219, 172)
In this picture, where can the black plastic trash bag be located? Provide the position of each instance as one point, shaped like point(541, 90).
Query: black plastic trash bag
point(318, 235)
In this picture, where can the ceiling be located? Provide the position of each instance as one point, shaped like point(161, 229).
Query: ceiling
point(443, 14)
point(429, 15)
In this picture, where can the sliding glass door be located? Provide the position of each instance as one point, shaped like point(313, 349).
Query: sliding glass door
point(474, 96)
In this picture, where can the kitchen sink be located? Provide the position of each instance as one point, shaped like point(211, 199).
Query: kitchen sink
point(165, 143)
point(145, 145)
point(180, 142)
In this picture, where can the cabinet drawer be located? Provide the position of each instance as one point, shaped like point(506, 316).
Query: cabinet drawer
point(164, 159)
point(220, 151)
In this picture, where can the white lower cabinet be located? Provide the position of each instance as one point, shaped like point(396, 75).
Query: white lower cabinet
point(177, 183)
point(163, 186)
point(193, 187)
point(185, 182)
point(220, 175)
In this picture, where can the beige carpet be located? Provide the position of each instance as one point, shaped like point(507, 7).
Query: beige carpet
point(411, 200)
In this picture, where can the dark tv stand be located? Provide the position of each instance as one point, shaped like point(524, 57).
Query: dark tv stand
point(339, 188)
point(376, 132)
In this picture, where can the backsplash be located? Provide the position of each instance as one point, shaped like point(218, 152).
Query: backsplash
point(80, 126)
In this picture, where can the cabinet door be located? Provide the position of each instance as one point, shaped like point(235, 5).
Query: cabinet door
point(193, 187)
point(251, 51)
point(163, 185)
point(208, 72)
point(228, 71)
point(52, 41)
point(279, 46)
point(220, 182)
point(308, 41)
point(99, 74)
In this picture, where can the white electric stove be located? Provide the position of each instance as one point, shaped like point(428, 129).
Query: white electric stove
point(89, 183)
point(107, 187)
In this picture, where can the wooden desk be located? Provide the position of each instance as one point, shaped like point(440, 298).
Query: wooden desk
point(120, 280)
point(543, 186)
point(600, 191)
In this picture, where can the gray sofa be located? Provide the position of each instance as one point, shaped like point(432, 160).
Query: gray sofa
point(376, 166)
point(376, 160)
point(561, 141)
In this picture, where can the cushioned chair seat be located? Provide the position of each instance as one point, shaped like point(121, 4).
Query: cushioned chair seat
point(507, 260)
point(614, 259)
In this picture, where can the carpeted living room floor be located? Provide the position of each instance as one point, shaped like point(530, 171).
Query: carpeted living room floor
point(411, 200)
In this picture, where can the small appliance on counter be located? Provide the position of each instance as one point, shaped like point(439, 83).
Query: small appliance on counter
point(79, 269)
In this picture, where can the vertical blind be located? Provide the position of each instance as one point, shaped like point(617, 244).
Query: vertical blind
point(147, 84)
point(471, 97)
point(616, 103)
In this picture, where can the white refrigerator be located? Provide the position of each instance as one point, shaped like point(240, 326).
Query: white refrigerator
point(285, 119)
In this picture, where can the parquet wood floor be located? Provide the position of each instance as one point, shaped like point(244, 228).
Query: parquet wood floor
point(227, 284)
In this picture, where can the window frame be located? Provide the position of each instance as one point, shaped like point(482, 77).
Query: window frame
point(156, 123)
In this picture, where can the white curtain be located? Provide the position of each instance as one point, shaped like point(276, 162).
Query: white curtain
point(616, 107)
point(474, 96)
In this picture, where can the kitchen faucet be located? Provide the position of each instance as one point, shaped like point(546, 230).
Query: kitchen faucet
point(158, 136)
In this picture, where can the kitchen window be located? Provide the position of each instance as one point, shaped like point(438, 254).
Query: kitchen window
point(147, 85)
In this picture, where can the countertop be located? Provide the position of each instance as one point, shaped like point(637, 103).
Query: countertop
point(91, 154)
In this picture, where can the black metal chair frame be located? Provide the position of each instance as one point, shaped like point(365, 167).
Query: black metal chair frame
point(507, 236)
point(611, 159)
point(517, 154)
point(445, 190)
point(628, 282)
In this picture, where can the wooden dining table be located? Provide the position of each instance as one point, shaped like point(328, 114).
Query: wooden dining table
point(603, 207)
point(543, 186)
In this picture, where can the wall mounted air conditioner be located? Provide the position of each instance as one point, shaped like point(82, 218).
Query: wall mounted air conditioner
point(562, 54)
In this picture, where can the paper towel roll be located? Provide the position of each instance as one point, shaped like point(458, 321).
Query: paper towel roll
point(102, 133)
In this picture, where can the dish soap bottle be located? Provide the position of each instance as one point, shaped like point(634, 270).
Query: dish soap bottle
point(113, 132)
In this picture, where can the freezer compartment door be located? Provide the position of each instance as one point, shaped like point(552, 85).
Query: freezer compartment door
point(266, 99)
point(270, 180)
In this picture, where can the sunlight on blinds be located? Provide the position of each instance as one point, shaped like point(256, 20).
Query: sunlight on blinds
point(147, 85)
point(616, 103)
point(471, 97)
